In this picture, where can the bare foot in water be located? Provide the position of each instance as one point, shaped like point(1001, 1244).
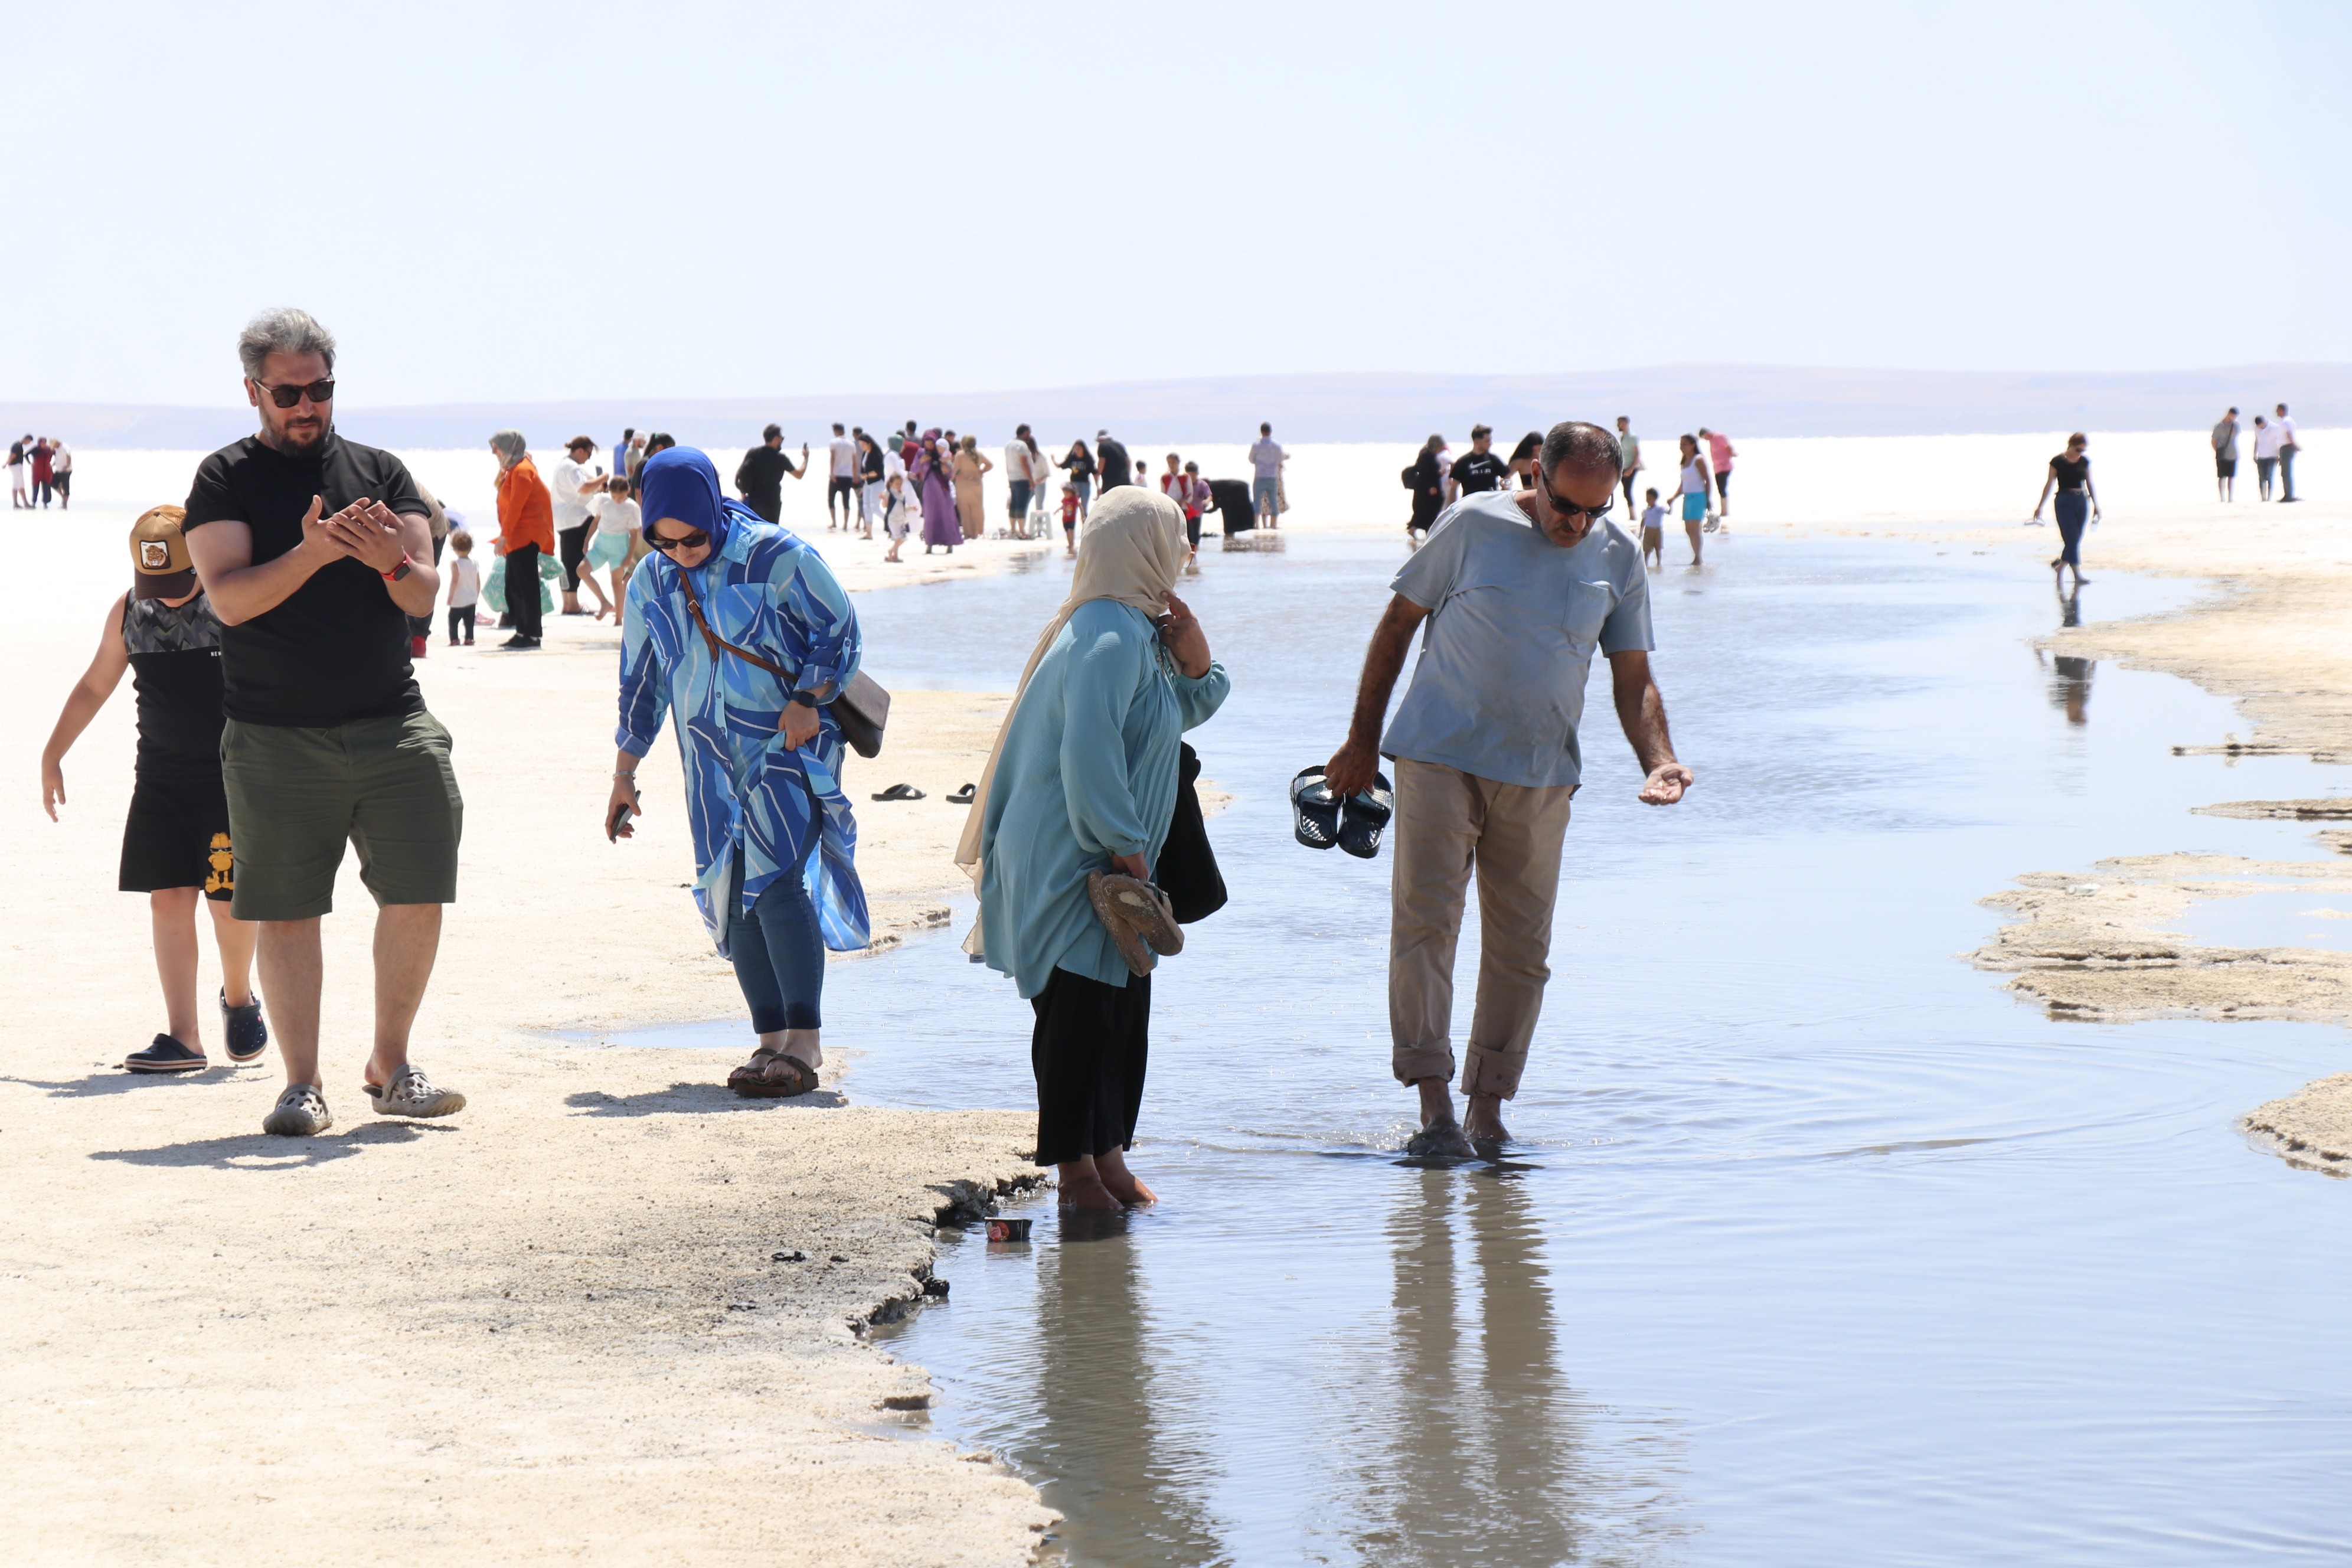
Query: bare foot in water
point(1484, 1122)
point(1082, 1187)
point(1122, 1183)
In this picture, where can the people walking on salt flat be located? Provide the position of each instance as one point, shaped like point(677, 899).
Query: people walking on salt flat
point(2225, 457)
point(841, 479)
point(1720, 453)
point(327, 740)
point(739, 635)
point(2070, 472)
point(1073, 809)
point(2287, 448)
point(1698, 506)
point(177, 844)
point(1517, 590)
point(1266, 458)
point(1629, 449)
point(2266, 451)
point(1080, 465)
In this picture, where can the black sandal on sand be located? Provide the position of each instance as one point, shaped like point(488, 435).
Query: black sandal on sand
point(772, 1075)
point(1362, 816)
point(1314, 810)
point(900, 792)
point(165, 1056)
point(963, 796)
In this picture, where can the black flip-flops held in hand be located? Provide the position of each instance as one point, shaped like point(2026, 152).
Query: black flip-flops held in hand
point(1320, 819)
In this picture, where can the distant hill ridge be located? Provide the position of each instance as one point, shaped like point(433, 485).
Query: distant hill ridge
point(1747, 400)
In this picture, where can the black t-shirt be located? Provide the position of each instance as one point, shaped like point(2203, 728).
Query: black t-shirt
point(1116, 468)
point(1477, 472)
point(870, 463)
point(176, 671)
point(336, 649)
point(2072, 472)
point(1080, 462)
point(761, 475)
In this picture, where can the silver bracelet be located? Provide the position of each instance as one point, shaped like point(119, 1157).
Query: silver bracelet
point(630, 774)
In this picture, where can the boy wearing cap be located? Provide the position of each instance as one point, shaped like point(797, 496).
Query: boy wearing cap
point(175, 842)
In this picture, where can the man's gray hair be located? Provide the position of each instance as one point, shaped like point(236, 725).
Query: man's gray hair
point(1582, 446)
point(283, 331)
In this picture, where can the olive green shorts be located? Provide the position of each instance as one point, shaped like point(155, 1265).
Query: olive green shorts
point(296, 796)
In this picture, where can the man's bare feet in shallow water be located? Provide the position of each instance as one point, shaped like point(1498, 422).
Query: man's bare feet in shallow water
point(1123, 1184)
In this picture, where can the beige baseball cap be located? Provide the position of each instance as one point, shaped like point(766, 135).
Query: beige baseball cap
point(159, 555)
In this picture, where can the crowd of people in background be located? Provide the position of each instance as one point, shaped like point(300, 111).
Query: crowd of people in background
point(41, 469)
point(1437, 480)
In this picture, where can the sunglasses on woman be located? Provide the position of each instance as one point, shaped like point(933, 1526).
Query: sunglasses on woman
point(288, 396)
point(694, 541)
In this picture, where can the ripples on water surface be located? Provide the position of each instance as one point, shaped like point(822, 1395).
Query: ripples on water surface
point(1817, 1246)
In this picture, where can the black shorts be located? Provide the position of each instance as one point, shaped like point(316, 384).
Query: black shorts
point(177, 837)
point(2225, 468)
point(840, 485)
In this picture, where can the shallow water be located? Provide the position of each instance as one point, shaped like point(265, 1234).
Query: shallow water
point(1817, 1245)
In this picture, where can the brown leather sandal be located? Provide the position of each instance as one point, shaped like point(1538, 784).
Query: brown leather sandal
point(772, 1075)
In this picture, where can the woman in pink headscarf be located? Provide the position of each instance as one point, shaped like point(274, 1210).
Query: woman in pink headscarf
point(927, 472)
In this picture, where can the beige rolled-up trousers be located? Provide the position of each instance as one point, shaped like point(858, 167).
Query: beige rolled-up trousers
point(1448, 822)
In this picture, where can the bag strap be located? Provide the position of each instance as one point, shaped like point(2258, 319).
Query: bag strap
point(693, 608)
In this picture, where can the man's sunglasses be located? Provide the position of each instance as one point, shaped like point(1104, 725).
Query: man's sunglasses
point(1569, 510)
point(694, 541)
point(288, 396)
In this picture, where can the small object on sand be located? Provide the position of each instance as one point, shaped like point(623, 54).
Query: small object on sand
point(795, 1256)
point(963, 796)
point(1008, 1230)
point(900, 792)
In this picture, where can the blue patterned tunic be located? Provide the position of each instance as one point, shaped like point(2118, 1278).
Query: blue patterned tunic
point(765, 590)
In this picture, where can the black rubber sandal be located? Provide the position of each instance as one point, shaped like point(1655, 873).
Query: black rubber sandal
point(964, 795)
point(165, 1056)
point(1363, 816)
point(900, 792)
point(1314, 810)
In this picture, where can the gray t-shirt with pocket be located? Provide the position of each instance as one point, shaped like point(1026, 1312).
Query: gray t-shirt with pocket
point(1499, 689)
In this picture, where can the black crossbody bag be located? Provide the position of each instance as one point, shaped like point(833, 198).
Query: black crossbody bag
point(863, 708)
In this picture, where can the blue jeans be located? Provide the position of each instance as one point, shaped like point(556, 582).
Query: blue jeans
point(777, 950)
point(1266, 495)
point(2074, 507)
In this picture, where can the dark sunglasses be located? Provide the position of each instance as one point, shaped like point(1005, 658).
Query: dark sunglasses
point(1569, 509)
point(694, 541)
point(288, 396)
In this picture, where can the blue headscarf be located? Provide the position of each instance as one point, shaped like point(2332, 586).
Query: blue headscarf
point(679, 482)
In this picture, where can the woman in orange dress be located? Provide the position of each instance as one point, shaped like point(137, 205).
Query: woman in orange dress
point(970, 464)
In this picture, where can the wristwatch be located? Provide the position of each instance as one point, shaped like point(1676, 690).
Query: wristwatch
point(397, 572)
point(805, 699)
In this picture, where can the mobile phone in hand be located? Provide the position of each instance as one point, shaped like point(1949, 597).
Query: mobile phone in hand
point(620, 820)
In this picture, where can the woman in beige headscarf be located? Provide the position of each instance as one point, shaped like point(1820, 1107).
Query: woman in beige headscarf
point(970, 464)
point(1082, 780)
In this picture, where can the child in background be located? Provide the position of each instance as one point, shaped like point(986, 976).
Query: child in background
point(464, 586)
point(1070, 519)
point(896, 523)
point(1653, 530)
point(619, 524)
point(175, 840)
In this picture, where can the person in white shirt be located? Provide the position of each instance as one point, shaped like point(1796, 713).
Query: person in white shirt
point(2286, 451)
point(570, 486)
point(61, 472)
point(896, 518)
point(465, 586)
point(1025, 470)
point(618, 545)
point(2267, 454)
point(842, 481)
point(1265, 482)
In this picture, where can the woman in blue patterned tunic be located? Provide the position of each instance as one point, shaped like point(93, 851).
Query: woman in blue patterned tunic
point(774, 843)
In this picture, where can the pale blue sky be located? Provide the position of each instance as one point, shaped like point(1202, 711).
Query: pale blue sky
point(584, 200)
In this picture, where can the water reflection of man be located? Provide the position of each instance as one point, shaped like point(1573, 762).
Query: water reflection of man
point(1518, 589)
point(1485, 1428)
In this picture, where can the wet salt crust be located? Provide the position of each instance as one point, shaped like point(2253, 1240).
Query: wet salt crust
point(1815, 1234)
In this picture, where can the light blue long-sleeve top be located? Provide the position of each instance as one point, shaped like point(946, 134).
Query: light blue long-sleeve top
point(765, 590)
point(1089, 770)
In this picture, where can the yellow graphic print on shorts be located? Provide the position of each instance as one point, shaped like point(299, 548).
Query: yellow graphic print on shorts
point(223, 876)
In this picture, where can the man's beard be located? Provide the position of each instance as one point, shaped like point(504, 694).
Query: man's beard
point(287, 439)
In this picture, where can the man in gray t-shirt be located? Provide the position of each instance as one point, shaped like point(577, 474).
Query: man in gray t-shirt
point(1518, 589)
point(2225, 457)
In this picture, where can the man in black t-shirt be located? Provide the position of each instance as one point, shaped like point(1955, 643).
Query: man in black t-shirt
point(760, 476)
point(314, 553)
point(1112, 459)
point(1479, 469)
